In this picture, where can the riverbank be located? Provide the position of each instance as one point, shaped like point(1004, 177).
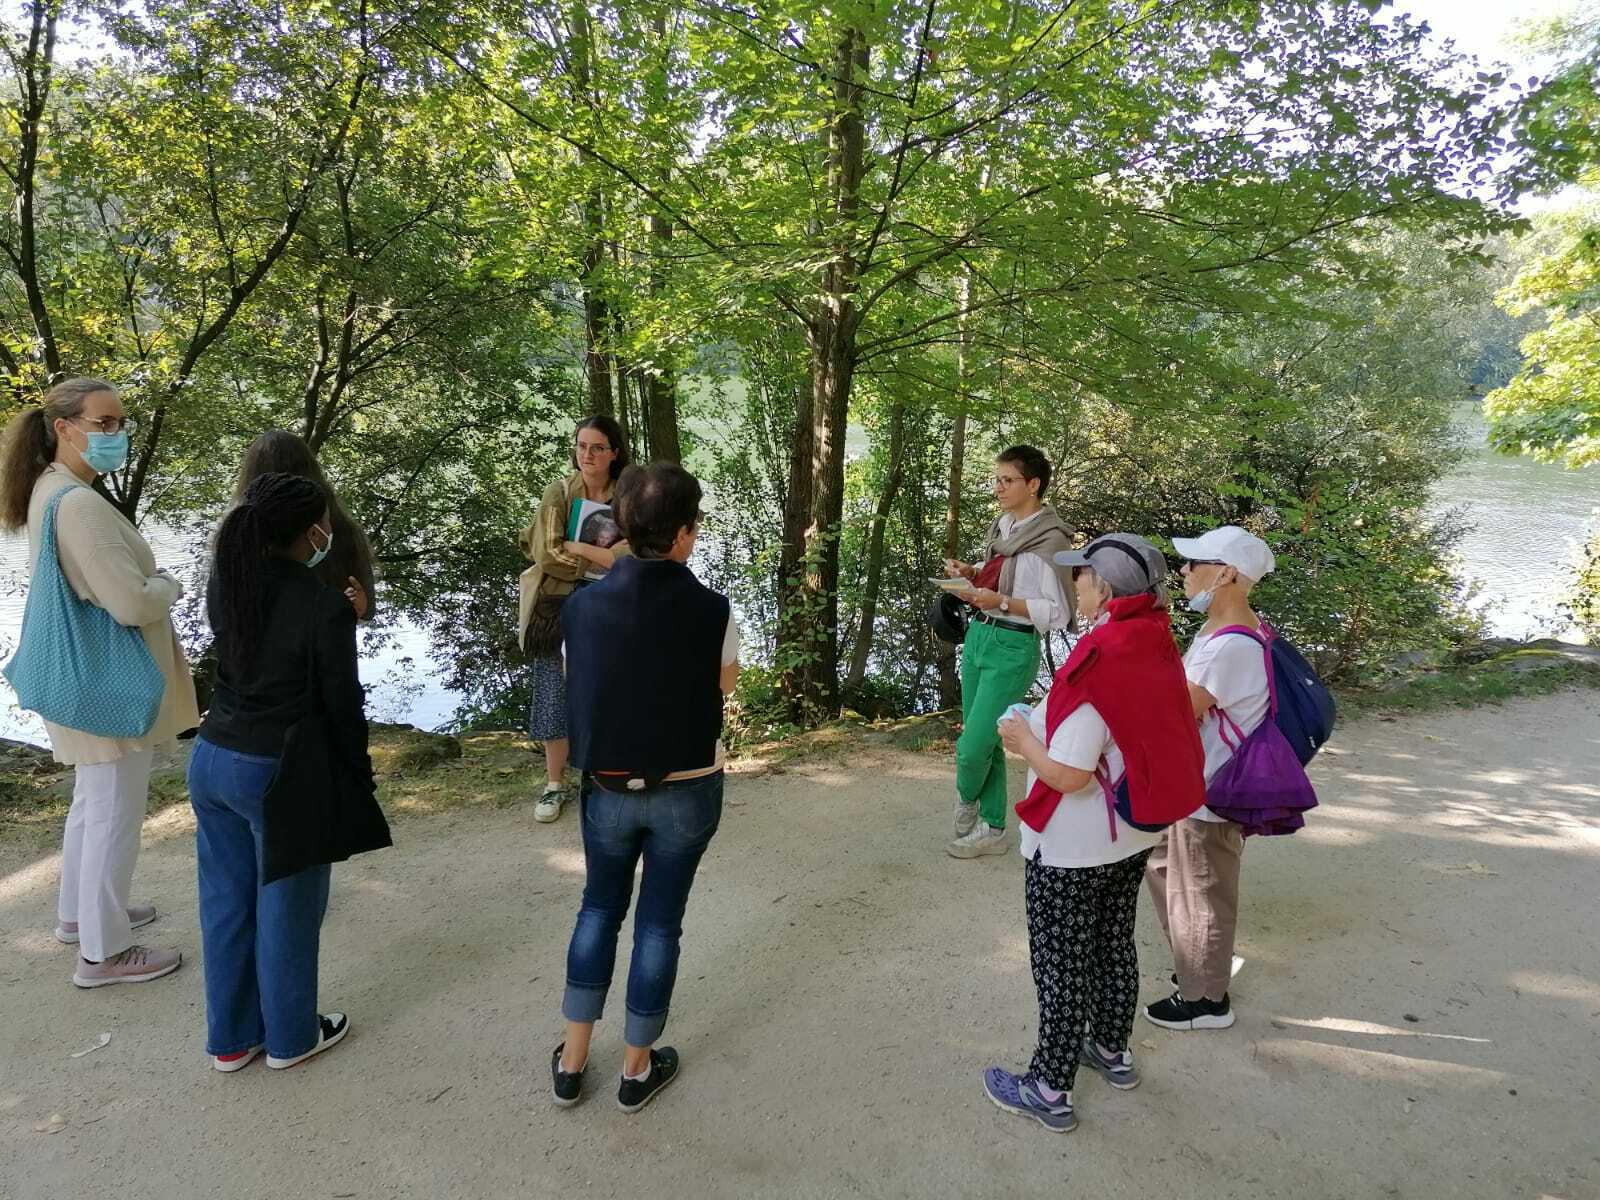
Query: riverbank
point(421, 772)
point(1416, 1011)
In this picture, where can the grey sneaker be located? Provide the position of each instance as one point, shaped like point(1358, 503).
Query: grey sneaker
point(549, 806)
point(1020, 1094)
point(984, 839)
point(139, 915)
point(1116, 1069)
point(136, 964)
point(966, 816)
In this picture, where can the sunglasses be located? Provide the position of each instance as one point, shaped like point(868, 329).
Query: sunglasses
point(1191, 563)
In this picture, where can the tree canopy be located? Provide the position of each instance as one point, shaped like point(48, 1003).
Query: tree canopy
point(833, 256)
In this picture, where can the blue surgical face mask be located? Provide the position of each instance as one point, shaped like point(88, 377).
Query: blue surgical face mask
point(1201, 602)
point(318, 555)
point(106, 452)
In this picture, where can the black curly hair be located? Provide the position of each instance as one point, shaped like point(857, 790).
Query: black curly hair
point(277, 509)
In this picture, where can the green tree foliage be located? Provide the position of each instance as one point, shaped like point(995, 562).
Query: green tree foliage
point(833, 255)
point(1552, 407)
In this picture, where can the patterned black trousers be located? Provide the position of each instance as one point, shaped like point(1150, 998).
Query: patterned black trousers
point(1085, 962)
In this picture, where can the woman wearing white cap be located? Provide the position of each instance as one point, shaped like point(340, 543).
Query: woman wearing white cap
point(1194, 874)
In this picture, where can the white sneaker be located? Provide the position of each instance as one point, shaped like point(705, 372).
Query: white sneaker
point(331, 1028)
point(966, 816)
point(549, 806)
point(984, 839)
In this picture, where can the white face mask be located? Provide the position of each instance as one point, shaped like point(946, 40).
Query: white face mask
point(1200, 602)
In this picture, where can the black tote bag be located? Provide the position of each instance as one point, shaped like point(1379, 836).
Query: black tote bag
point(320, 807)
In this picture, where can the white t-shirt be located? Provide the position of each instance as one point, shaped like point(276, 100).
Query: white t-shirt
point(1233, 669)
point(1079, 833)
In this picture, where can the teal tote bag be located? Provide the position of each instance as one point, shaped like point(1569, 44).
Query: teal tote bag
point(75, 665)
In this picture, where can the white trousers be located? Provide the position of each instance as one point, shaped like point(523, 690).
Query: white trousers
point(99, 849)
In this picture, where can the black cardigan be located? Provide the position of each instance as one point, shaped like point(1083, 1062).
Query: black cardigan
point(251, 712)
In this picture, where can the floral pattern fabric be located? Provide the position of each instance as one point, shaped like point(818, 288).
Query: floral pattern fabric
point(1085, 961)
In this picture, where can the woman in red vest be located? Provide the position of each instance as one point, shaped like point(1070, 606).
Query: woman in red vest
point(1113, 757)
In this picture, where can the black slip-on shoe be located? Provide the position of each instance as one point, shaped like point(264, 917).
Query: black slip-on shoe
point(634, 1094)
point(565, 1086)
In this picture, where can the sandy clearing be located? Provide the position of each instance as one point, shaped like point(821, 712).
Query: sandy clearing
point(844, 982)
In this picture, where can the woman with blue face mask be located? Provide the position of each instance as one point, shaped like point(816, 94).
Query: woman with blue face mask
point(53, 455)
point(286, 652)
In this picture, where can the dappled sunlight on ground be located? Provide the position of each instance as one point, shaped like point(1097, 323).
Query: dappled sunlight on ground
point(1344, 1025)
point(1416, 1012)
point(22, 882)
point(1583, 992)
point(1372, 1065)
point(565, 860)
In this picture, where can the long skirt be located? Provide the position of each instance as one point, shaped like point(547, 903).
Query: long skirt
point(547, 714)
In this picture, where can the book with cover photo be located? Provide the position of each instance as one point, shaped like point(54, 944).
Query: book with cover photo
point(594, 524)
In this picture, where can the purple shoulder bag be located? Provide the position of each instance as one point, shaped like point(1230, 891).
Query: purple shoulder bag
point(1263, 787)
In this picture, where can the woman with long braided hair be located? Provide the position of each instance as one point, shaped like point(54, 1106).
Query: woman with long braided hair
point(286, 649)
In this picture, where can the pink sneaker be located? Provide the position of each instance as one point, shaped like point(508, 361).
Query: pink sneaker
point(136, 964)
point(139, 915)
point(235, 1062)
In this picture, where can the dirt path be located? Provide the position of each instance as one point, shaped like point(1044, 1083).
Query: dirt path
point(1417, 1016)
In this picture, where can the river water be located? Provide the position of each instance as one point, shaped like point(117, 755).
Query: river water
point(1529, 522)
point(1528, 519)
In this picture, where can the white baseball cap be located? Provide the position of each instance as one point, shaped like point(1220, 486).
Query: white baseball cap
point(1238, 548)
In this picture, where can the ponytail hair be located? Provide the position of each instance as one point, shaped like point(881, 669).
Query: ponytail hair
point(30, 444)
point(276, 509)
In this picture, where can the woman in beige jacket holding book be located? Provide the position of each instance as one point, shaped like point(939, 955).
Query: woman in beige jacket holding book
point(78, 434)
point(560, 565)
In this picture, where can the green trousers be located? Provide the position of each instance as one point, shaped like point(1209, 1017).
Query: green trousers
point(998, 666)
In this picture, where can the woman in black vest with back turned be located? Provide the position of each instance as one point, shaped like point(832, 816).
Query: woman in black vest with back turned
point(286, 649)
point(651, 651)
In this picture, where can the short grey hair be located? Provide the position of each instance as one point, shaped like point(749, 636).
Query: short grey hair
point(1163, 597)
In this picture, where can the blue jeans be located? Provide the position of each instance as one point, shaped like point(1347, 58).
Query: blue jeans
point(260, 941)
point(669, 825)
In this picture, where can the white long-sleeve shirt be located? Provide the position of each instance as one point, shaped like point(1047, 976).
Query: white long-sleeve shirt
point(1035, 581)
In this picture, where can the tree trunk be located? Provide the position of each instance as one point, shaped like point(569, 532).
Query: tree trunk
point(796, 513)
point(809, 637)
point(661, 400)
point(597, 365)
point(596, 318)
point(34, 77)
point(949, 671)
point(659, 389)
point(880, 520)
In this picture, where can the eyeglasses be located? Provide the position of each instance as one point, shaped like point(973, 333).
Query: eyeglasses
point(110, 424)
point(1191, 563)
point(589, 449)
